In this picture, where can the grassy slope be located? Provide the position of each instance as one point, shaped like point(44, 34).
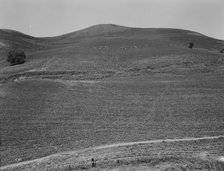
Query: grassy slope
point(182, 155)
point(96, 49)
point(44, 117)
point(161, 89)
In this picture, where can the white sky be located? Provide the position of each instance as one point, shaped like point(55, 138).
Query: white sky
point(55, 17)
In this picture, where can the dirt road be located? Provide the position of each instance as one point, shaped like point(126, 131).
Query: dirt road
point(110, 146)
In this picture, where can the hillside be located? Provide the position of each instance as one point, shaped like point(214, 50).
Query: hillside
point(108, 84)
point(110, 47)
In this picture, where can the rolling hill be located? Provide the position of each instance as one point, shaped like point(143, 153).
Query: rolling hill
point(110, 48)
point(108, 84)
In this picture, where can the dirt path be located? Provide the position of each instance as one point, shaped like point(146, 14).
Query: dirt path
point(158, 141)
point(110, 146)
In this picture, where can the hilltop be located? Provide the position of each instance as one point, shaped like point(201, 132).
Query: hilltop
point(109, 47)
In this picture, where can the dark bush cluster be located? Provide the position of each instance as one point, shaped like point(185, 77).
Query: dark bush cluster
point(16, 57)
point(222, 51)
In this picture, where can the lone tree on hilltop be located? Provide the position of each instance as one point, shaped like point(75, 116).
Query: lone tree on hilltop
point(16, 57)
point(191, 44)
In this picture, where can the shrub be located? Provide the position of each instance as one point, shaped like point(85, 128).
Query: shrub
point(191, 44)
point(16, 57)
point(222, 51)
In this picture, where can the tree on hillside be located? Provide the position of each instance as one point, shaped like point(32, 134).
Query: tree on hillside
point(16, 57)
point(191, 44)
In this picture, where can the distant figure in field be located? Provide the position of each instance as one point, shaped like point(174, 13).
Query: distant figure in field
point(93, 162)
point(191, 44)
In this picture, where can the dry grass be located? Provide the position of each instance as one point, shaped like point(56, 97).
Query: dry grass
point(189, 155)
point(149, 85)
point(42, 117)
